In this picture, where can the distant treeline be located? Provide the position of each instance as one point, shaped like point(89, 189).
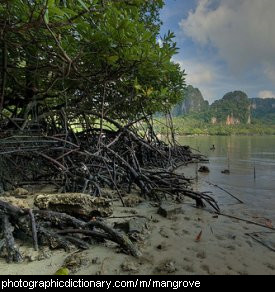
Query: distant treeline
point(234, 114)
point(187, 125)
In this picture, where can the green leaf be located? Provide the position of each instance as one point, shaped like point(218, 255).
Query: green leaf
point(83, 4)
point(137, 86)
point(57, 12)
point(62, 271)
point(112, 59)
point(149, 91)
point(46, 16)
point(51, 3)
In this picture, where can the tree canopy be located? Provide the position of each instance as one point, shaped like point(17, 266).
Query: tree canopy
point(83, 57)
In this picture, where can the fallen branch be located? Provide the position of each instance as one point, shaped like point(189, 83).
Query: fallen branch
point(240, 201)
point(245, 220)
point(254, 236)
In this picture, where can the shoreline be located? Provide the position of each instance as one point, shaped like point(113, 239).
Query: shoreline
point(169, 247)
point(190, 242)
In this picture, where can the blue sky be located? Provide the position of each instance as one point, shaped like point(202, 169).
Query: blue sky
point(224, 45)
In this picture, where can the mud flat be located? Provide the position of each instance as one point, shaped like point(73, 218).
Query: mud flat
point(174, 239)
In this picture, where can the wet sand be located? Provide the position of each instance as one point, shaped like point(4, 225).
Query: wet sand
point(169, 245)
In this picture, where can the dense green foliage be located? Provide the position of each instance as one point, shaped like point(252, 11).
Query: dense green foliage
point(83, 56)
point(187, 125)
point(235, 107)
point(263, 109)
point(234, 104)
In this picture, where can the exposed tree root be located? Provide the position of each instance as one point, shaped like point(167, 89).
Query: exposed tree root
point(119, 158)
point(50, 231)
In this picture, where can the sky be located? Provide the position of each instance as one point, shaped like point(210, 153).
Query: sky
point(224, 45)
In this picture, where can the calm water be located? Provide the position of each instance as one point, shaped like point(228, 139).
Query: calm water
point(240, 154)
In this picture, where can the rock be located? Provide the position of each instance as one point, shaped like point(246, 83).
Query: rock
point(168, 210)
point(20, 203)
point(132, 200)
point(226, 171)
point(43, 255)
point(30, 258)
point(129, 266)
point(193, 102)
point(19, 192)
point(135, 225)
point(6, 194)
point(136, 228)
point(76, 204)
point(204, 169)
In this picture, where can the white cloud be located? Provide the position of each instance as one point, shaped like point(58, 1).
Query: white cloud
point(266, 94)
point(241, 30)
point(269, 71)
point(213, 80)
point(200, 74)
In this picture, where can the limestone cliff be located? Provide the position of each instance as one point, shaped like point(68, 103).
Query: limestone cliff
point(193, 101)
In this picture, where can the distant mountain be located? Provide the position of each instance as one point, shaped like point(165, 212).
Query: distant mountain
point(193, 102)
point(263, 109)
point(234, 108)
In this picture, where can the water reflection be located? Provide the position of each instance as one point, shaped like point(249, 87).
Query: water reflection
point(241, 154)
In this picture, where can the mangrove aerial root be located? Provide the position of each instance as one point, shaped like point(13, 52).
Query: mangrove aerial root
point(57, 230)
point(116, 156)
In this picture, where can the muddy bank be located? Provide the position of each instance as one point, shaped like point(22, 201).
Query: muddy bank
point(186, 241)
